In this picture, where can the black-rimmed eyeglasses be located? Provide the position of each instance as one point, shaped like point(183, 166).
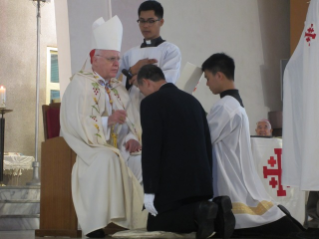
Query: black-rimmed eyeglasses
point(110, 59)
point(149, 21)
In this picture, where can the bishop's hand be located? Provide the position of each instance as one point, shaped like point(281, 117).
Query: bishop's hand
point(138, 65)
point(149, 204)
point(133, 146)
point(118, 117)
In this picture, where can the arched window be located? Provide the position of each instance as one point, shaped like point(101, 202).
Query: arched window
point(53, 83)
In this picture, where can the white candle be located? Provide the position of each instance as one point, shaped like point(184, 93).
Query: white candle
point(2, 96)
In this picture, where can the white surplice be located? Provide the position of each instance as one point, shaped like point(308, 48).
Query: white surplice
point(234, 172)
point(168, 58)
point(104, 189)
point(301, 109)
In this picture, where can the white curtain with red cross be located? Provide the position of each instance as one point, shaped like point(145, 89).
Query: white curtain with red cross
point(301, 109)
point(267, 153)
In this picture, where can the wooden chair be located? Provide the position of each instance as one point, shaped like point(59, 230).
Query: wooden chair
point(51, 120)
point(57, 213)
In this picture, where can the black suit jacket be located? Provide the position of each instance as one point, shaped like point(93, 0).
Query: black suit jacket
point(177, 153)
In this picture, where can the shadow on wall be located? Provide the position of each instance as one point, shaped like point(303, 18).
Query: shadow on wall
point(274, 39)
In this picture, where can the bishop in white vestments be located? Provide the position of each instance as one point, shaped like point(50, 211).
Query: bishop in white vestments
point(234, 173)
point(98, 123)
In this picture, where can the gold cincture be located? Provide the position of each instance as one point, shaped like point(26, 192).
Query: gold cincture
point(260, 209)
point(114, 137)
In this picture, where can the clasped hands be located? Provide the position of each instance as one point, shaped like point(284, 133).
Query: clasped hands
point(138, 65)
point(119, 117)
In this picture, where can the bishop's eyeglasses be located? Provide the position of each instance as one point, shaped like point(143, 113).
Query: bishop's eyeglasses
point(111, 59)
point(149, 21)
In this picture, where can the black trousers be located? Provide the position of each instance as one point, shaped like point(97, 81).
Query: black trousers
point(180, 220)
point(282, 228)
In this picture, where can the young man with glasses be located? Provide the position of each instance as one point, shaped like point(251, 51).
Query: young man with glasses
point(153, 50)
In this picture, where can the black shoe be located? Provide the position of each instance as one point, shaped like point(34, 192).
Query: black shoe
point(284, 210)
point(205, 217)
point(96, 234)
point(312, 233)
point(225, 222)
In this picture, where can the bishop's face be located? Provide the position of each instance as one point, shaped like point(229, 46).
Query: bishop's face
point(150, 24)
point(106, 63)
point(213, 82)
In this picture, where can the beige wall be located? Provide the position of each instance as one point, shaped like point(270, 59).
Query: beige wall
point(254, 32)
point(127, 12)
point(18, 69)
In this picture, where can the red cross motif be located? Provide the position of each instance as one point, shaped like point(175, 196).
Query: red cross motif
point(309, 34)
point(273, 182)
point(275, 172)
point(272, 161)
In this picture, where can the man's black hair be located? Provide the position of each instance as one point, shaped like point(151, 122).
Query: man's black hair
point(222, 63)
point(152, 5)
point(150, 72)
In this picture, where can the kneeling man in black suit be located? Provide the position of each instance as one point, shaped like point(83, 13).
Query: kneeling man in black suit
point(177, 161)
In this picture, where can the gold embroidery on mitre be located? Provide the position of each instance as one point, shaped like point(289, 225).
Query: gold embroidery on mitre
point(260, 209)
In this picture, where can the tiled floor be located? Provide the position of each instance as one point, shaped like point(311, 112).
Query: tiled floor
point(17, 234)
point(30, 235)
point(21, 235)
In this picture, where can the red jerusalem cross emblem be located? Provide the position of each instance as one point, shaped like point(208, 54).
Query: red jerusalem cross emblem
point(275, 172)
point(310, 34)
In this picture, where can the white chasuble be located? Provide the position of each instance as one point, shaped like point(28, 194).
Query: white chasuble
point(300, 109)
point(104, 189)
point(234, 172)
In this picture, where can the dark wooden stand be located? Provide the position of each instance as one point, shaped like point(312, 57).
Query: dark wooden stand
point(2, 127)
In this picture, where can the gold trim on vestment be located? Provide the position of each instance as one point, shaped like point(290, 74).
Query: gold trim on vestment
point(260, 209)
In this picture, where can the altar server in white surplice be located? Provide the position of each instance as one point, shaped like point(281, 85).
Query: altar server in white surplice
point(98, 123)
point(234, 173)
point(154, 50)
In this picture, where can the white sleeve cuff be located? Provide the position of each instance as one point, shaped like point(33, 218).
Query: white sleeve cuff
point(129, 137)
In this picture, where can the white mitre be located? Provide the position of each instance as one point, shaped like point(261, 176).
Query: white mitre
point(107, 35)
